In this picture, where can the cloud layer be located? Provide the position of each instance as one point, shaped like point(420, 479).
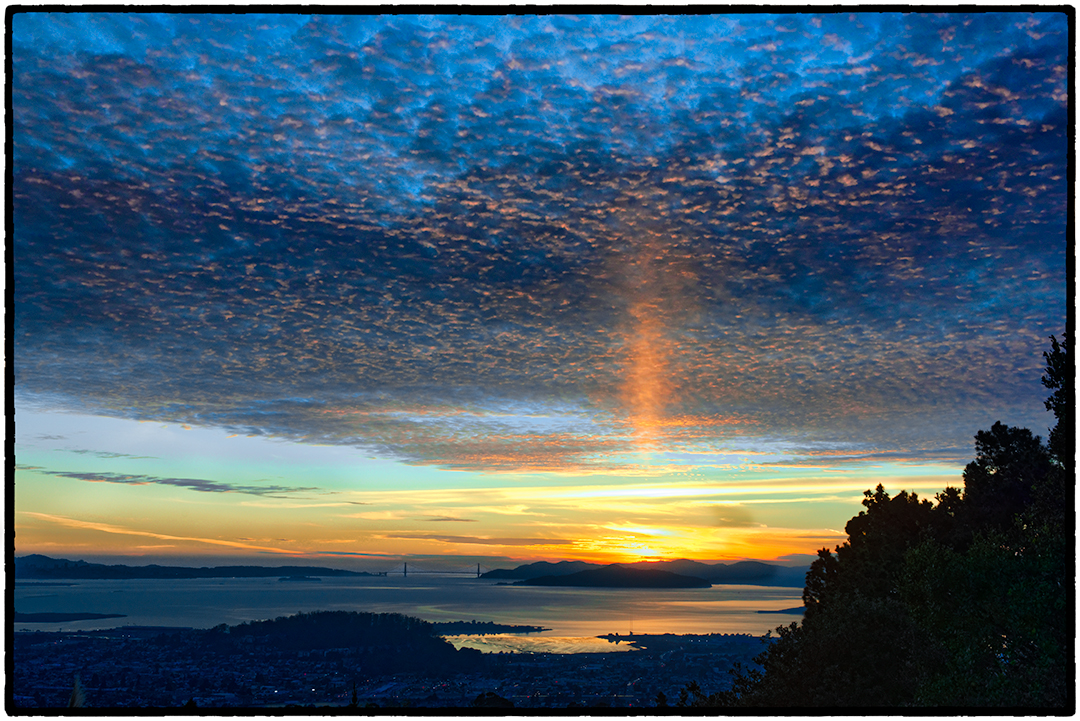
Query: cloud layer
point(542, 243)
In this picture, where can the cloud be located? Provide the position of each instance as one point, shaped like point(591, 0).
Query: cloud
point(336, 504)
point(731, 516)
point(111, 528)
point(677, 232)
point(477, 539)
point(105, 454)
point(832, 459)
point(194, 484)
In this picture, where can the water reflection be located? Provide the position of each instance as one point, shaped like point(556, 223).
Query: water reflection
point(496, 643)
point(568, 612)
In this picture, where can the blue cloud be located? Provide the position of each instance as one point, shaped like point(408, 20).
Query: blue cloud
point(838, 222)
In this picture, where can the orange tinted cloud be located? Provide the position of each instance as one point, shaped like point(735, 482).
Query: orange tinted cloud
point(110, 528)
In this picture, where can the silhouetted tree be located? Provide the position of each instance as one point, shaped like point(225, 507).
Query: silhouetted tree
point(1053, 499)
point(820, 579)
point(877, 540)
point(948, 524)
point(999, 625)
point(1059, 377)
point(999, 484)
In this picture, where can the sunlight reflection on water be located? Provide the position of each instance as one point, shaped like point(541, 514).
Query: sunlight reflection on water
point(537, 644)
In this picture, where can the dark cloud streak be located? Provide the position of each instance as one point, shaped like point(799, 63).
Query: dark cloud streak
point(194, 484)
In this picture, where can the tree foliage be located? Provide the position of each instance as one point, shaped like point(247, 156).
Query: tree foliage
point(965, 602)
point(1000, 483)
point(1060, 376)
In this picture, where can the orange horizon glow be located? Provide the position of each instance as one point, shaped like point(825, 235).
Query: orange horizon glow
point(616, 545)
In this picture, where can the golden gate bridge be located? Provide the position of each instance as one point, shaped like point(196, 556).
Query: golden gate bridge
point(421, 569)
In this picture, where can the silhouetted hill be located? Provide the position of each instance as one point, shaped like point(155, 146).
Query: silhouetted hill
point(754, 573)
point(38, 566)
point(617, 576)
point(541, 568)
point(390, 642)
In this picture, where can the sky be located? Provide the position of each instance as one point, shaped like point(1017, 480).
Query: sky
point(348, 290)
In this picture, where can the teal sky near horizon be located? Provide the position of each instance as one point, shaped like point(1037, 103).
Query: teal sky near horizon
point(600, 287)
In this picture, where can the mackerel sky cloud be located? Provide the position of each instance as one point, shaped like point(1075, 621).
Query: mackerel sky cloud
point(576, 246)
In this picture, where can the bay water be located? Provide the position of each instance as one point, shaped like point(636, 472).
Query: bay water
point(574, 616)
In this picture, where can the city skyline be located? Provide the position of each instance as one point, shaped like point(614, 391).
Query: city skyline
point(344, 289)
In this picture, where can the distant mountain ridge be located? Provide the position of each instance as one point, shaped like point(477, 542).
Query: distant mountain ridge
point(755, 573)
point(618, 576)
point(38, 566)
point(540, 568)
